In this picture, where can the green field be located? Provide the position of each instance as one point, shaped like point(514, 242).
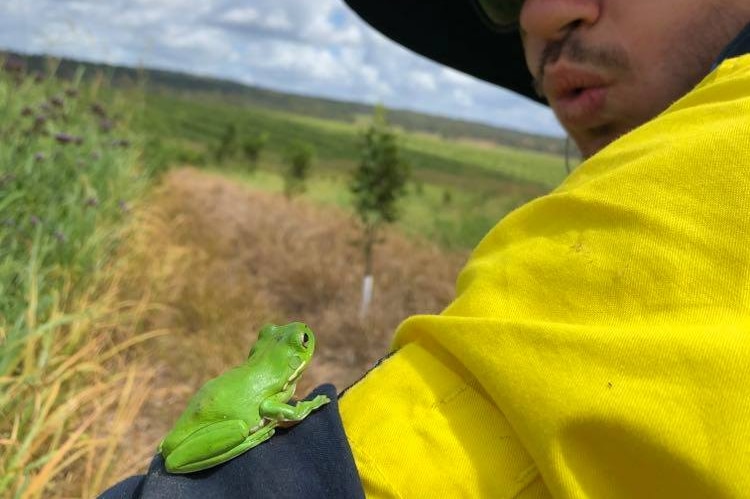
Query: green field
point(458, 191)
point(196, 122)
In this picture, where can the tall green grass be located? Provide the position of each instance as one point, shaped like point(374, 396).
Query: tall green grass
point(70, 168)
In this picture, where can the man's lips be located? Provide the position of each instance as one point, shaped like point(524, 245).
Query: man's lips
point(576, 95)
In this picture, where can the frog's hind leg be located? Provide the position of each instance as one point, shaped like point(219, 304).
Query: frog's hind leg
point(215, 444)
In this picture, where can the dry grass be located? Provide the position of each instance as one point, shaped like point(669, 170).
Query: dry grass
point(222, 260)
point(66, 408)
point(209, 262)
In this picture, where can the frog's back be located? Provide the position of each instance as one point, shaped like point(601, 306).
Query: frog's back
point(229, 396)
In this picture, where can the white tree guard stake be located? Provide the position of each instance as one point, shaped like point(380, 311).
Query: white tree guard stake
point(367, 284)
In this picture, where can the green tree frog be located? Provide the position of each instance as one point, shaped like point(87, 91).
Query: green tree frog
point(239, 409)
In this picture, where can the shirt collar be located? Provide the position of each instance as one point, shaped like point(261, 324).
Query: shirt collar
point(739, 46)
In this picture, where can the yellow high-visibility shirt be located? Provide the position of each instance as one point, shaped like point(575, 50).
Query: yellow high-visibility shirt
point(599, 343)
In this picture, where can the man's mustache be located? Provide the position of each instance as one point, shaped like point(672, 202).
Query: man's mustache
point(609, 57)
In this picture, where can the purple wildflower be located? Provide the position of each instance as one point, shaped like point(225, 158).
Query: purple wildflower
point(64, 138)
point(14, 65)
point(39, 122)
point(106, 125)
point(98, 110)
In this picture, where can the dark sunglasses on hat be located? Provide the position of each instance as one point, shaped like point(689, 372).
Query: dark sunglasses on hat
point(500, 15)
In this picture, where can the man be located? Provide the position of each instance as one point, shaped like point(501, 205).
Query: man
point(598, 344)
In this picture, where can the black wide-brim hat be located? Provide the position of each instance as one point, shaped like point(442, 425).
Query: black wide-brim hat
point(452, 33)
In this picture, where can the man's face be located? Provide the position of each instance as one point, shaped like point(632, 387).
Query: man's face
point(607, 66)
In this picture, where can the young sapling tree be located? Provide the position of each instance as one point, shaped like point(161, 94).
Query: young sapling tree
point(227, 146)
point(377, 184)
point(252, 147)
point(299, 160)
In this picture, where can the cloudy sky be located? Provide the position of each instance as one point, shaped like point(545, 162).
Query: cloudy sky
point(313, 47)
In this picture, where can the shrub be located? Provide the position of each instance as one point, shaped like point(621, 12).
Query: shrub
point(227, 146)
point(299, 160)
point(252, 147)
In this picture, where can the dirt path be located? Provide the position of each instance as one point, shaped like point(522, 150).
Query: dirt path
point(219, 260)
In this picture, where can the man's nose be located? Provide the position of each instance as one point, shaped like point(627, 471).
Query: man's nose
point(546, 21)
point(550, 20)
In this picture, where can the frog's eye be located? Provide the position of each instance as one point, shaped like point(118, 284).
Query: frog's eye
point(305, 339)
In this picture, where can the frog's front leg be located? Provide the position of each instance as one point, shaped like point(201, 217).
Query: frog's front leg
point(214, 444)
point(277, 410)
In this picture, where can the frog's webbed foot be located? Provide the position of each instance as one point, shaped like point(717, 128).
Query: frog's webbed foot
point(214, 444)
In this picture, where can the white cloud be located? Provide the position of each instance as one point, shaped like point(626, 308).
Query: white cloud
point(242, 15)
point(453, 77)
point(462, 97)
point(206, 40)
point(423, 81)
point(370, 74)
point(300, 62)
point(277, 20)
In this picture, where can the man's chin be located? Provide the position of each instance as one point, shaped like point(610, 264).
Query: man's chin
point(592, 141)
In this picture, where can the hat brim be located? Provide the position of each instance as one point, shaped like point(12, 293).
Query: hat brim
point(452, 33)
